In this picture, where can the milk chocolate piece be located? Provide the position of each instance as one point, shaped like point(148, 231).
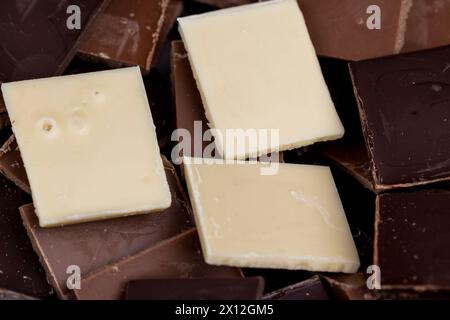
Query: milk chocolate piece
point(195, 289)
point(178, 257)
point(131, 32)
point(20, 269)
point(11, 164)
point(411, 240)
point(404, 104)
point(428, 25)
point(11, 295)
point(338, 28)
point(93, 245)
point(310, 289)
point(36, 40)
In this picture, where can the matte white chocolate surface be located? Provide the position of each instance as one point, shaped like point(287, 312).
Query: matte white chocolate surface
point(256, 68)
point(89, 146)
point(291, 220)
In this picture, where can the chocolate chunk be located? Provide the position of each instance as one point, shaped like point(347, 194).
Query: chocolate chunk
point(411, 237)
point(93, 245)
point(178, 257)
point(310, 289)
point(11, 165)
point(404, 104)
point(20, 269)
point(195, 289)
point(11, 295)
point(36, 38)
point(131, 32)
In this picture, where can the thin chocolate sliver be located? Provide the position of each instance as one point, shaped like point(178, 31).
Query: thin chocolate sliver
point(178, 257)
point(11, 295)
point(11, 165)
point(92, 245)
point(195, 289)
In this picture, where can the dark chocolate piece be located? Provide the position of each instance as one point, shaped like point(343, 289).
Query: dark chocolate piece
point(11, 165)
point(11, 295)
point(36, 41)
point(196, 289)
point(131, 32)
point(353, 159)
point(404, 104)
point(20, 269)
point(310, 289)
point(411, 240)
point(178, 257)
point(95, 244)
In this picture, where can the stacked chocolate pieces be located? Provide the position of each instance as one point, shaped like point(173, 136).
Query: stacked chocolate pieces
point(392, 168)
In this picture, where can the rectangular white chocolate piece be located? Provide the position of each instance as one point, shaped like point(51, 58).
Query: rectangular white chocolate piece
point(291, 220)
point(256, 68)
point(89, 146)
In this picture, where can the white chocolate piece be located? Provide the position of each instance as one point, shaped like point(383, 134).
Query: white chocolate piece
point(256, 68)
point(291, 220)
point(89, 146)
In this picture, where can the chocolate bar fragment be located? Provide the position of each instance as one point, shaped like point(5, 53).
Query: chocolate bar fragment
point(340, 28)
point(310, 289)
point(11, 295)
point(189, 111)
point(352, 158)
point(93, 245)
point(411, 237)
point(178, 257)
point(428, 25)
point(404, 104)
point(11, 164)
point(195, 289)
point(20, 269)
point(39, 38)
point(131, 32)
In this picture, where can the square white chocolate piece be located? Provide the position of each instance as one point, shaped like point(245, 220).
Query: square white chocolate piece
point(89, 146)
point(290, 220)
point(256, 68)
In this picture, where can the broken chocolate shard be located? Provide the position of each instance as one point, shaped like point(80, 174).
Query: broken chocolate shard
point(404, 104)
point(310, 289)
point(20, 269)
point(348, 286)
point(178, 257)
point(411, 234)
point(130, 33)
point(95, 244)
point(37, 37)
point(196, 289)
